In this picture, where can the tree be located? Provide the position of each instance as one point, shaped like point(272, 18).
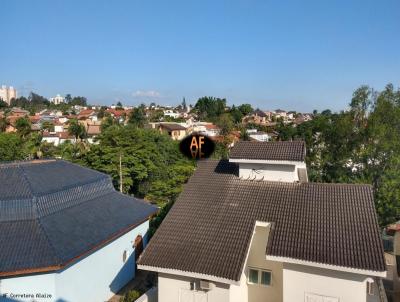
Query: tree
point(119, 106)
point(3, 104)
point(225, 123)
point(68, 98)
point(245, 109)
point(79, 101)
point(236, 114)
point(138, 116)
point(48, 125)
point(210, 107)
point(3, 123)
point(23, 126)
point(11, 147)
point(148, 170)
point(76, 129)
point(156, 115)
point(184, 104)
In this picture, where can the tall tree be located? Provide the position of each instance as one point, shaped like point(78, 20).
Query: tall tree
point(23, 126)
point(138, 116)
point(76, 129)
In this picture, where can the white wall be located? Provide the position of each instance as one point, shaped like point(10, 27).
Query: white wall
point(239, 293)
point(299, 280)
point(269, 172)
point(173, 288)
point(95, 278)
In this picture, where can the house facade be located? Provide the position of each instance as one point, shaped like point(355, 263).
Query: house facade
point(66, 234)
point(233, 237)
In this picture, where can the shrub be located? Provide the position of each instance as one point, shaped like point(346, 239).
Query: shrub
point(131, 296)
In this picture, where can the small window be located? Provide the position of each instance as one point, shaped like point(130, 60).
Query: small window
point(260, 277)
point(253, 276)
point(265, 278)
point(124, 256)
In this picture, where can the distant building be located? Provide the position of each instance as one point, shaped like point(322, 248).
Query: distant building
point(174, 130)
point(7, 94)
point(258, 135)
point(58, 99)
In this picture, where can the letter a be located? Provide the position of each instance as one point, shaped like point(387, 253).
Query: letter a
point(194, 143)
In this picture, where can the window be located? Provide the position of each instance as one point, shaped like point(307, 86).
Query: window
point(261, 277)
point(253, 276)
point(265, 278)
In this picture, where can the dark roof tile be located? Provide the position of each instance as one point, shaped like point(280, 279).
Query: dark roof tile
point(281, 150)
point(209, 228)
point(53, 212)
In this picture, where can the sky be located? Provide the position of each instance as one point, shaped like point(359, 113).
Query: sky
point(295, 55)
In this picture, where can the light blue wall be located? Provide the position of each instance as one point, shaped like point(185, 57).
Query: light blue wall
point(95, 278)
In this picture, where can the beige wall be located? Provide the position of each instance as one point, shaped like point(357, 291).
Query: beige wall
point(173, 288)
point(301, 280)
point(286, 173)
point(256, 259)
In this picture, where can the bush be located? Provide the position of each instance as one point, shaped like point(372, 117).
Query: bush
point(131, 296)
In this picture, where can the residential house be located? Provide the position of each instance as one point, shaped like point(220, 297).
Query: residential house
point(258, 135)
point(19, 112)
point(66, 233)
point(93, 130)
point(87, 115)
point(174, 130)
point(171, 113)
point(252, 228)
point(57, 138)
point(205, 128)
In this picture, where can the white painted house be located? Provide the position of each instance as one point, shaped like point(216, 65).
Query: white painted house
point(66, 234)
point(237, 234)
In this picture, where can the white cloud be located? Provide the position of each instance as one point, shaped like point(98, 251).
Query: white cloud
point(148, 93)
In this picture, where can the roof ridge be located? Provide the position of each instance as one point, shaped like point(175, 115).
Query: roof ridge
point(58, 258)
point(34, 199)
point(72, 205)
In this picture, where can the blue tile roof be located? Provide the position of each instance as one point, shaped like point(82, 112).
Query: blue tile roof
point(53, 212)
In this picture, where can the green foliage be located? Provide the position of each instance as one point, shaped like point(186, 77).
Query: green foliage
point(152, 165)
point(11, 147)
point(78, 100)
point(23, 126)
point(361, 145)
point(47, 125)
point(156, 116)
point(3, 104)
point(76, 129)
point(3, 124)
point(210, 107)
point(131, 296)
point(245, 109)
point(138, 116)
point(225, 123)
point(236, 114)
